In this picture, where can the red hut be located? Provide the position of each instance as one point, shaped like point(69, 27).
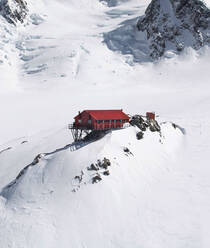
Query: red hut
point(150, 115)
point(100, 119)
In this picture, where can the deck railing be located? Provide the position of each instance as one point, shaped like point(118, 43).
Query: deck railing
point(91, 127)
point(82, 127)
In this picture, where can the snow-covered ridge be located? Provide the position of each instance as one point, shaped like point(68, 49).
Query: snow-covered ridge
point(101, 177)
point(110, 150)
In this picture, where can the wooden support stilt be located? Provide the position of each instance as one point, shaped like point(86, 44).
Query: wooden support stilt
point(78, 133)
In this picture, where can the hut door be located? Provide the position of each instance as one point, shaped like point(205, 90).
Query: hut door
point(101, 124)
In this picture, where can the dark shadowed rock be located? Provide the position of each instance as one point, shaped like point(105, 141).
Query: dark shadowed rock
point(96, 178)
point(93, 167)
point(174, 25)
point(154, 126)
point(137, 120)
point(106, 173)
point(142, 123)
point(13, 11)
point(140, 135)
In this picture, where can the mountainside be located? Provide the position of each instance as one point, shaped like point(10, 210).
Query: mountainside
point(141, 186)
point(174, 25)
point(71, 194)
point(167, 28)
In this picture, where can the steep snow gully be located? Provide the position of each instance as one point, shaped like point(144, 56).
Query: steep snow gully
point(121, 190)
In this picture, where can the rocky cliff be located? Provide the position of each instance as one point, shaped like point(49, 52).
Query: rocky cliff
point(13, 10)
point(175, 24)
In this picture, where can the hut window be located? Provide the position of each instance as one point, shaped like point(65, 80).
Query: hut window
point(80, 121)
point(89, 121)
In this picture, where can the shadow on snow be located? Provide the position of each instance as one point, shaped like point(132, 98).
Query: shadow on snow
point(128, 40)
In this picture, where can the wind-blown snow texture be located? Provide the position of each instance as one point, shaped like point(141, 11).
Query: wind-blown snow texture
point(61, 60)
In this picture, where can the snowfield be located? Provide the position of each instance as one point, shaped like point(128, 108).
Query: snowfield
point(109, 209)
point(62, 60)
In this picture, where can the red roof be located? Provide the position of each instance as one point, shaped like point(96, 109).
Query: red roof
point(108, 114)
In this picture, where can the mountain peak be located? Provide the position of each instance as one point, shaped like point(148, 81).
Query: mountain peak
point(174, 24)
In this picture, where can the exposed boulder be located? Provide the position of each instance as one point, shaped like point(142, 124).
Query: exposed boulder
point(104, 164)
point(96, 178)
point(140, 135)
point(127, 151)
point(154, 126)
point(142, 123)
point(137, 120)
point(93, 167)
point(106, 173)
point(80, 177)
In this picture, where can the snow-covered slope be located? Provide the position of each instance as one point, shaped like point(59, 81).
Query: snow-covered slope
point(57, 63)
point(56, 193)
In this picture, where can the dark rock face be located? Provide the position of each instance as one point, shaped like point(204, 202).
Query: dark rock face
point(137, 120)
point(13, 11)
point(127, 151)
point(175, 24)
point(143, 124)
point(140, 135)
point(96, 178)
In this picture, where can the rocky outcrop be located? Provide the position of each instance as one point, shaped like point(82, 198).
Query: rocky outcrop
point(14, 10)
point(144, 124)
point(174, 25)
point(94, 174)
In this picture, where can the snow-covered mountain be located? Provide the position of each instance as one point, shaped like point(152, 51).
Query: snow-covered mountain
point(166, 28)
point(72, 55)
point(174, 25)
